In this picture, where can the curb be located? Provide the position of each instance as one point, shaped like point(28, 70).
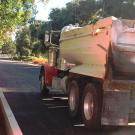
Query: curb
point(11, 125)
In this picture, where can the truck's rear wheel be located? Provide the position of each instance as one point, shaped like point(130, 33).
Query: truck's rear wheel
point(91, 107)
point(74, 98)
point(43, 89)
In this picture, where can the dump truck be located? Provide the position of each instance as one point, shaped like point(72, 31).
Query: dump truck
point(94, 66)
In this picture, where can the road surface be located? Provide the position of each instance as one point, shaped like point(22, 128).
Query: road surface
point(42, 117)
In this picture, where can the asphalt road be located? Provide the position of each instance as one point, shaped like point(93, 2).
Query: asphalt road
point(42, 117)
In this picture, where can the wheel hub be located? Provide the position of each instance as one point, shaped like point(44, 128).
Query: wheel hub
point(72, 99)
point(88, 106)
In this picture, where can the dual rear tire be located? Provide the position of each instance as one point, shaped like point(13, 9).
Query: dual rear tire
point(74, 98)
point(91, 106)
point(84, 99)
point(85, 102)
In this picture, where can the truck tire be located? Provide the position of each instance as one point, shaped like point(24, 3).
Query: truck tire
point(74, 99)
point(91, 106)
point(44, 91)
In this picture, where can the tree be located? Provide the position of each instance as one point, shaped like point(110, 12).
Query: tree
point(23, 45)
point(45, 26)
point(62, 17)
point(34, 29)
point(14, 13)
point(124, 9)
point(85, 11)
point(37, 48)
point(37, 34)
point(75, 12)
point(9, 47)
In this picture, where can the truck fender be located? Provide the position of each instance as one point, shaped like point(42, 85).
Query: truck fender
point(49, 73)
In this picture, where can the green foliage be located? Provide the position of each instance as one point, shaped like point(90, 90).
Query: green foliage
point(1, 43)
point(23, 45)
point(36, 48)
point(9, 47)
point(86, 10)
point(45, 26)
point(119, 8)
point(81, 12)
point(14, 13)
point(34, 29)
point(37, 33)
point(89, 11)
point(78, 11)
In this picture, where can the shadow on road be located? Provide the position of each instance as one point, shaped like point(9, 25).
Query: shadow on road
point(49, 116)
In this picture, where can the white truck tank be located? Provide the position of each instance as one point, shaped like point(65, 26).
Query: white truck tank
point(88, 46)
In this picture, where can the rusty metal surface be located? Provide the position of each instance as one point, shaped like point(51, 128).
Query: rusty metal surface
point(87, 47)
point(119, 85)
point(123, 48)
point(115, 108)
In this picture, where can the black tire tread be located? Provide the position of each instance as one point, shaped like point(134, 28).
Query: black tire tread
point(95, 122)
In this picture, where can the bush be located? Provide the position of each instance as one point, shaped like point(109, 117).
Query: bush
point(40, 60)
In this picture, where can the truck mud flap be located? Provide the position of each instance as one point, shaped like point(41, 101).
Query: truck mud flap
point(115, 107)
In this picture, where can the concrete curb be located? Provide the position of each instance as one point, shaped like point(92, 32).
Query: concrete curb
point(11, 125)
